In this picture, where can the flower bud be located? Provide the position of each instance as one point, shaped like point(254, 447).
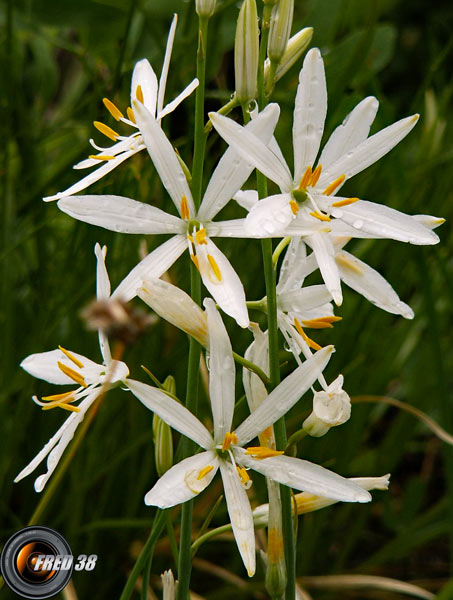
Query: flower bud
point(280, 29)
point(294, 50)
point(169, 585)
point(331, 407)
point(205, 8)
point(163, 439)
point(246, 52)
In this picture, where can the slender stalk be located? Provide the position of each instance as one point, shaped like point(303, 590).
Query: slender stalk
point(145, 554)
point(274, 366)
point(185, 540)
point(252, 367)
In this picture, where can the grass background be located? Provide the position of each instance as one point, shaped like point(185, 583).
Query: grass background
point(57, 62)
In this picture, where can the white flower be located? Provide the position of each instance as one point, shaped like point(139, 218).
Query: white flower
point(331, 407)
point(63, 367)
point(225, 450)
point(147, 89)
point(308, 196)
point(193, 229)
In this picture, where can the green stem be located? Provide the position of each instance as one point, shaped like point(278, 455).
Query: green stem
point(252, 367)
point(274, 366)
point(145, 554)
point(224, 110)
point(185, 540)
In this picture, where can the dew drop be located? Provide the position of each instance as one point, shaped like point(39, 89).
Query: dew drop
point(358, 224)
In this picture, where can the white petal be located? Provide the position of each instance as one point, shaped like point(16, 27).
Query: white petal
point(102, 293)
point(181, 483)
point(253, 150)
point(173, 413)
point(231, 229)
point(44, 365)
point(325, 257)
point(369, 283)
point(247, 198)
point(291, 276)
point(352, 132)
point(222, 373)
point(284, 396)
point(223, 282)
point(240, 515)
point(368, 152)
point(429, 220)
point(304, 299)
point(165, 66)
point(105, 168)
point(153, 265)
point(173, 105)
point(164, 158)
point(383, 221)
point(233, 171)
point(176, 307)
point(306, 476)
point(309, 112)
point(57, 444)
point(128, 143)
point(120, 214)
point(144, 76)
point(270, 216)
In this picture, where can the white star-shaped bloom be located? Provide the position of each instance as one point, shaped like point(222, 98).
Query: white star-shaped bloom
point(63, 367)
point(145, 88)
point(227, 450)
point(193, 229)
point(309, 195)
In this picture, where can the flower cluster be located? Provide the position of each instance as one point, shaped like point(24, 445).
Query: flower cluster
point(312, 224)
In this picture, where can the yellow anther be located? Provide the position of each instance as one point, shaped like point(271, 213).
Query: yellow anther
point(275, 550)
point(294, 206)
point(266, 435)
point(305, 179)
point(261, 452)
point(320, 216)
point(200, 235)
point(230, 438)
point(215, 267)
point(130, 115)
point(334, 185)
point(316, 175)
point(317, 324)
point(72, 374)
point(345, 202)
point(184, 208)
point(106, 130)
point(101, 156)
point(344, 261)
point(71, 356)
point(311, 343)
point(195, 261)
point(242, 472)
point(59, 397)
point(139, 93)
point(205, 471)
point(331, 319)
point(62, 405)
point(113, 109)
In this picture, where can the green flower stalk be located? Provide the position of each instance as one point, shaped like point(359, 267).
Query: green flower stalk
point(276, 568)
point(163, 439)
point(280, 29)
point(205, 8)
point(246, 52)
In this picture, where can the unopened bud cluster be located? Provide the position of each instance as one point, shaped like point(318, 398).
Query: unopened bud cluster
point(246, 52)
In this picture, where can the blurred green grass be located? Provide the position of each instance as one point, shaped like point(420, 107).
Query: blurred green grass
point(57, 62)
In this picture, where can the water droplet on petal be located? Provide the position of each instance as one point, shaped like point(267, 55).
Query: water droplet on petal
point(358, 224)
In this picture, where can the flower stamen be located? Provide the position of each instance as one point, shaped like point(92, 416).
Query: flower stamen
point(200, 236)
point(315, 176)
point(294, 206)
point(244, 476)
point(320, 216)
point(345, 202)
point(139, 94)
point(321, 323)
point(215, 267)
point(101, 157)
point(106, 130)
point(113, 109)
point(230, 438)
point(261, 452)
point(334, 185)
point(59, 397)
point(205, 471)
point(185, 209)
point(72, 374)
point(304, 182)
point(311, 343)
point(71, 357)
point(130, 114)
